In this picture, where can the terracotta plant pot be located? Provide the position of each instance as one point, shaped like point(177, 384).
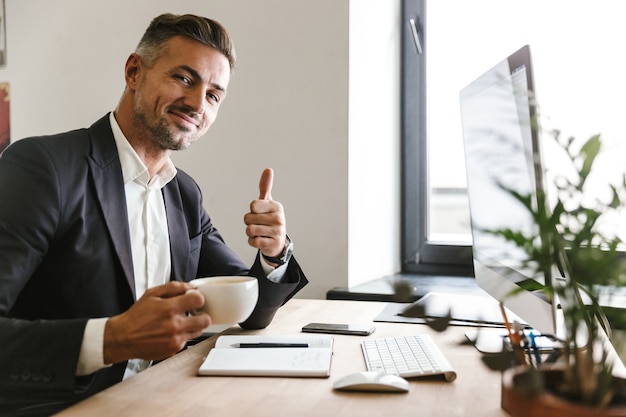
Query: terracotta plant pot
point(521, 404)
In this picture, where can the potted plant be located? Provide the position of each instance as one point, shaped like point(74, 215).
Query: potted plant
point(569, 238)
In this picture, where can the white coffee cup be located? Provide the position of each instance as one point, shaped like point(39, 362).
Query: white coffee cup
point(228, 299)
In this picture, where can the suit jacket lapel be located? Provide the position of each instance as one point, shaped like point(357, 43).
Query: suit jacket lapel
point(179, 236)
point(107, 177)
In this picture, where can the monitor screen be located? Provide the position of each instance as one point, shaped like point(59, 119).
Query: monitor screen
point(501, 142)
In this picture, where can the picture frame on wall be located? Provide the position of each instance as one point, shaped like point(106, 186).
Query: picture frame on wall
point(5, 120)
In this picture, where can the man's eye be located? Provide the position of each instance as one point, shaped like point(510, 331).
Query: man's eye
point(213, 97)
point(183, 79)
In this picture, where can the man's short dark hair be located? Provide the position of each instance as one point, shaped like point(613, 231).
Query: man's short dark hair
point(204, 30)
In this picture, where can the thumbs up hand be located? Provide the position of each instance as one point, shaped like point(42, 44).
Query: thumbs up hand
point(265, 223)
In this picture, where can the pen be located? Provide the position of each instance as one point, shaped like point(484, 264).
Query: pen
point(273, 345)
point(533, 344)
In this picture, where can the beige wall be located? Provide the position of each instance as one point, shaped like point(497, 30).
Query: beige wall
point(315, 96)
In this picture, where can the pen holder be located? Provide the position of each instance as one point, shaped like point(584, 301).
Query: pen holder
point(521, 354)
point(521, 397)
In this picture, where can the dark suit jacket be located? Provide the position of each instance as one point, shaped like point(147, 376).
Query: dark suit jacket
point(65, 257)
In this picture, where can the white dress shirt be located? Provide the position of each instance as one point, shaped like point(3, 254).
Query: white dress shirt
point(149, 237)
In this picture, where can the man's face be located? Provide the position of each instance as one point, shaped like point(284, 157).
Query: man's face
point(176, 101)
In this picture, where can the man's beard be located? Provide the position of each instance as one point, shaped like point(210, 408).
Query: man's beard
point(163, 135)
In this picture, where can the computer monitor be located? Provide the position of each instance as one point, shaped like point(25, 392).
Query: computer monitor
point(501, 143)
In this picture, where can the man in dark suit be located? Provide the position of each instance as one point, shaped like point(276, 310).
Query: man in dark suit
point(99, 232)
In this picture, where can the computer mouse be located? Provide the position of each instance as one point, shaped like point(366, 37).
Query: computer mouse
point(371, 381)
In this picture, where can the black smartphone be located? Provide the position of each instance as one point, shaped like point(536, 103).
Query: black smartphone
point(336, 328)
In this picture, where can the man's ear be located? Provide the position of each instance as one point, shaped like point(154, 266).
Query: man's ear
point(132, 69)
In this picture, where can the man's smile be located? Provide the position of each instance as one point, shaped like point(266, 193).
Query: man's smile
point(184, 119)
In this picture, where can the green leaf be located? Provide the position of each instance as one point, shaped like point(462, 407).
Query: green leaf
point(440, 324)
point(531, 285)
point(589, 151)
point(499, 361)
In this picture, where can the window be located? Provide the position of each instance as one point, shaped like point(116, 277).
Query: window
point(578, 71)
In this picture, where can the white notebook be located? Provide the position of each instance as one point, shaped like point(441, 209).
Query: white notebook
point(228, 358)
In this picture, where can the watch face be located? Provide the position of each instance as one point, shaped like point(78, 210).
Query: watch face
point(288, 250)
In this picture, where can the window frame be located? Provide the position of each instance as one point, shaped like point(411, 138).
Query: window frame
point(419, 255)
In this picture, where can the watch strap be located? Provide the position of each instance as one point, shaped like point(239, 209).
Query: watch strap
point(284, 257)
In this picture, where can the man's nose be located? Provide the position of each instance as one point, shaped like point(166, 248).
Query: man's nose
point(195, 99)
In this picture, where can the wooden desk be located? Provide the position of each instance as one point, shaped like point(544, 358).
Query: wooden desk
point(171, 388)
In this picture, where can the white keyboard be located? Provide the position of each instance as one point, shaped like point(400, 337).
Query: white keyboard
point(407, 356)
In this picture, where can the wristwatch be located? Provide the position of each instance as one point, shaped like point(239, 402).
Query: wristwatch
point(284, 257)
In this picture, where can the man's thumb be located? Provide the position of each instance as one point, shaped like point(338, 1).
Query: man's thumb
point(265, 184)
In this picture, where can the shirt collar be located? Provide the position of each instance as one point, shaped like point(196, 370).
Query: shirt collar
point(133, 168)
